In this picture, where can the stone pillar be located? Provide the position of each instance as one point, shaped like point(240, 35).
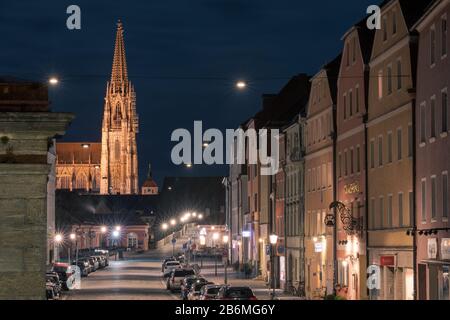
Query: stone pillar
point(25, 139)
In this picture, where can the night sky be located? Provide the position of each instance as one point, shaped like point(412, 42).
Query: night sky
point(184, 57)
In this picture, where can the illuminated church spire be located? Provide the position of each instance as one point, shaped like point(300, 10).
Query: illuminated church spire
point(119, 75)
point(119, 166)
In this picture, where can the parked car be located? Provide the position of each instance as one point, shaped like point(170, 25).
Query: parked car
point(209, 292)
point(194, 292)
point(176, 278)
point(89, 267)
point(94, 263)
point(170, 265)
point(235, 293)
point(101, 261)
point(165, 261)
point(66, 274)
point(53, 285)
point(84, 266)
point(188, 282)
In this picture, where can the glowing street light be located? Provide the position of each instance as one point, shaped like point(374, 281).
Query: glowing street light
point(73, 236)
point(200, 216)
point(103, 229)
point(225, 239)
point(53, 81)
point(58, 238)
point(215, 236)
point(118, 228)
point(241, 85)
point(165, 226)
point(173, 222)
point(194, 214)
point(116, 234)
point(85, 146)
point(273, 239)
point(188, 165)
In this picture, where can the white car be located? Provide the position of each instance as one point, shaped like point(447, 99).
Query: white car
point(171, 265)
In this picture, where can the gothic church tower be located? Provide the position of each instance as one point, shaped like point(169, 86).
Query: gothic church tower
point(119, 164)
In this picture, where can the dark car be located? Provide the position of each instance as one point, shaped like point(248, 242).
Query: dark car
point(84, 266)
point(235, 293)
point(176, 278)
point(101, 261)
point(66, 274)
point(209, 292)
point(53, 285)
point(187, 284)
point(194, 292)
point(94, 263)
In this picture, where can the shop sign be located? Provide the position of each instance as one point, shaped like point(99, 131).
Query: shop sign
point(352, 188)
point(445, 249)
point(387, 261)
point(432, 248)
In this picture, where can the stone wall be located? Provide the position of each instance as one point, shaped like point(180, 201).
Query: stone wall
point(25, 139)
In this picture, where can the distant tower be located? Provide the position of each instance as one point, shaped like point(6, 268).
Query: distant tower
point(149, 188)
point(119, 164)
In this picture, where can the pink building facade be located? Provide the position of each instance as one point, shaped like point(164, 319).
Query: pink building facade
point(433, 154)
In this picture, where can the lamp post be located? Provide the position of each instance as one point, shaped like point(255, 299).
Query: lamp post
point(215, 237)
point(58, 239)
point(116, 234)
point(72, 237)
point(273, 242)
point(225, 242)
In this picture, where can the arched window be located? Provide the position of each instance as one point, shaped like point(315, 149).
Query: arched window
point(118, 113)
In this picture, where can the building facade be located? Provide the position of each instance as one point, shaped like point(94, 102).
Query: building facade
point(390, 149)
point(351, 159)
point(294, 201)
point(433, 154)
point(319, 159)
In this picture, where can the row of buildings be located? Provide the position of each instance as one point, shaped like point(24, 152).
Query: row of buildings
point(364, 155)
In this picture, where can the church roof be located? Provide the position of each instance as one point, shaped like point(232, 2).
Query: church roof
point(119, 73)
point(78, 152)
point(150, 183)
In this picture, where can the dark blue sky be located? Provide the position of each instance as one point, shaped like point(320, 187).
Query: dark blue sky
point(166, 40)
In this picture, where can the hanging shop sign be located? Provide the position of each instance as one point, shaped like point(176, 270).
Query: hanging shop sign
point(432, 248)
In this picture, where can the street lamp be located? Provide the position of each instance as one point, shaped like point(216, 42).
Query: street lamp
point(241, 85)
point(165, 226)
point(194, 214)
point(273, 241)
point(215, 237)
point(118, 228)
point(103, 229)
point(200, 216)
point(116, 235)
point(53, 81)
point(173, 222)
point(58, 239)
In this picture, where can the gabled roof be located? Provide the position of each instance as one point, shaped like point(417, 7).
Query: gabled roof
point(332, 70)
